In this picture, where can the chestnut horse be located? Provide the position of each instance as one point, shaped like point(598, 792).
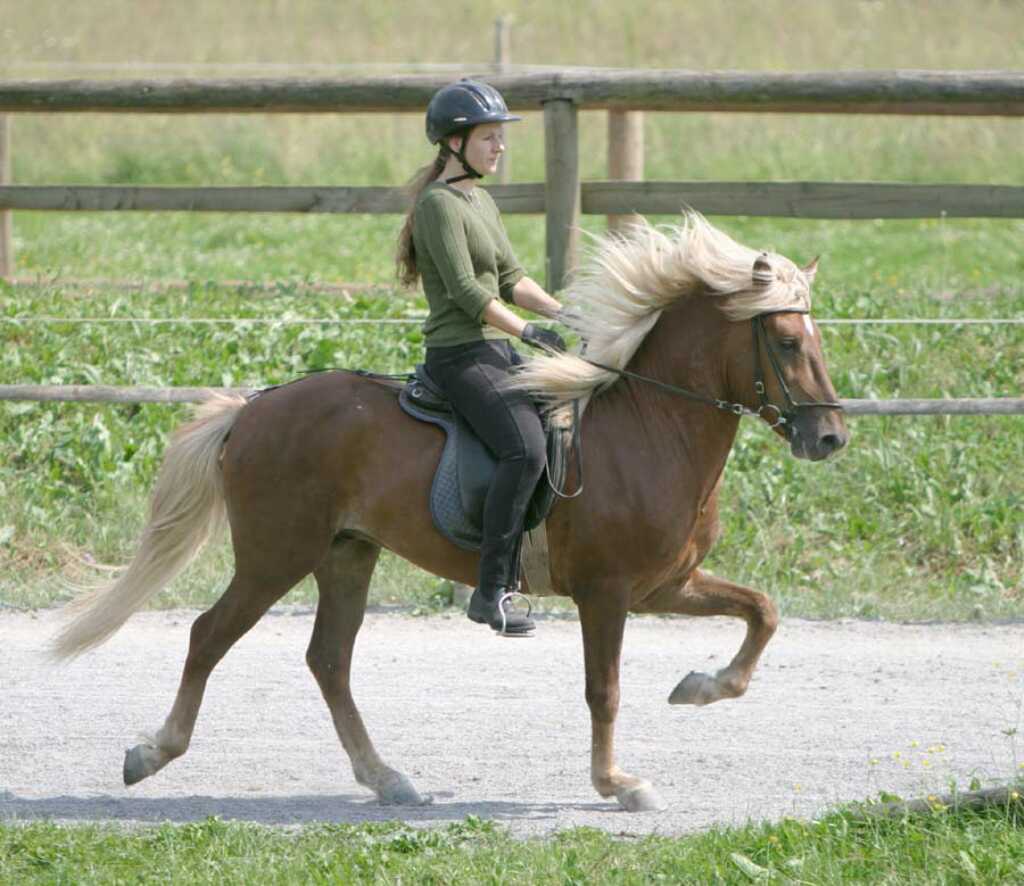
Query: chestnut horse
point(318, 475)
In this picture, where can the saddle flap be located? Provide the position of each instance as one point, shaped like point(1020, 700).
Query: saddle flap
point(466, 468)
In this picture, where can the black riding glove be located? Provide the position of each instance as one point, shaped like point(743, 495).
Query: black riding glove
point(543, 338)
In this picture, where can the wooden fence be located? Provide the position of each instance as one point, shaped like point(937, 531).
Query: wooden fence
point(562, 197)
point(561, 95)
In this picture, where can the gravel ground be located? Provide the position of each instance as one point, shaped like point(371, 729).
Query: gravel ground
point(499, 728)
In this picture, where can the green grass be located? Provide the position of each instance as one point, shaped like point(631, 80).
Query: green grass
point(754, 34)
point(943, 847)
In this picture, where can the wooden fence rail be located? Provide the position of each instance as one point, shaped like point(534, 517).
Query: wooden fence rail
point(112, 394)
point(960, 93)
point(849, 200)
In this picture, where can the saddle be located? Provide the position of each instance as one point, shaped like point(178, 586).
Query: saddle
point(467, 466)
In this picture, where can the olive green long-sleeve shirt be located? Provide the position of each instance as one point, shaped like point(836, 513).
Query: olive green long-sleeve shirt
point(465, 260)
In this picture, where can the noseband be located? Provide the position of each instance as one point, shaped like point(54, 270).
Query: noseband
point(784, 417)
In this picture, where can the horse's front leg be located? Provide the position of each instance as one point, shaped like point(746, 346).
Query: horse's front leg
point(603, 619)
point(705, 594)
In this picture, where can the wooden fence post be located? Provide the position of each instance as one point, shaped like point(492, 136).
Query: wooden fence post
point(6, 216)
point(625, 156)
point(502, 59)
point(561, 189)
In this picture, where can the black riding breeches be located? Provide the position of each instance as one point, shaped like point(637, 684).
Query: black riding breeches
point(472, 376)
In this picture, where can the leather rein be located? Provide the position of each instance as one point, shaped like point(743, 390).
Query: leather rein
point(783, 417)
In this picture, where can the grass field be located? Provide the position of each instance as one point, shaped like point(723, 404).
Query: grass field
point(943, 847)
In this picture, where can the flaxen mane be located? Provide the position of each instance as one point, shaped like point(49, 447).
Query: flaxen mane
point(628, 280)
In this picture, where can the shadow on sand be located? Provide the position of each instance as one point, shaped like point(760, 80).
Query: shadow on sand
point(301, 809)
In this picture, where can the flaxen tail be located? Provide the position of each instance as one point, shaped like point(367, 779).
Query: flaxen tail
point(186, 510)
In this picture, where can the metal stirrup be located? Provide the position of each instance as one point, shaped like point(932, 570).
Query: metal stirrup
point(501, 608)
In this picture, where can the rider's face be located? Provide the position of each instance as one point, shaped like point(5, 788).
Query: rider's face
point(485, 145)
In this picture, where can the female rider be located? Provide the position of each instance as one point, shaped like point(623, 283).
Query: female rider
point(453, 239)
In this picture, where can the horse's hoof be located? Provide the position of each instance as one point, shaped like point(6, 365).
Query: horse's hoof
point(399, 792)
point(135, 766)
point(642, 798)
point(696, 689)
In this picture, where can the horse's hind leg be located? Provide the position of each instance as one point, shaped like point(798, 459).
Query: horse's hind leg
point(343, 578)
point(705, 594)
point(213, 634)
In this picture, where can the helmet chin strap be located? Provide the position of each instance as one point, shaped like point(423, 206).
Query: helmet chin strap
point(460, 154)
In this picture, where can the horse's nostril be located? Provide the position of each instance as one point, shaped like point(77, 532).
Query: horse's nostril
point(832, 442)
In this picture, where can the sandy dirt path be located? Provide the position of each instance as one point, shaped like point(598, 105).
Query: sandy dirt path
point(499, 728)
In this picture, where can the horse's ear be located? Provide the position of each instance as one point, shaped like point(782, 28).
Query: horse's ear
point(762, 275)
point(811, 269)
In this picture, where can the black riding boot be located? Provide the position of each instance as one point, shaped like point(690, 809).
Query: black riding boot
point(490, 606)
point(490, 603)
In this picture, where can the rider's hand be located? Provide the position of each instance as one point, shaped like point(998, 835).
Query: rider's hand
point(543, 338)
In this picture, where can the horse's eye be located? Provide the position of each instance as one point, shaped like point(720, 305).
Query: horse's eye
point(789, 344)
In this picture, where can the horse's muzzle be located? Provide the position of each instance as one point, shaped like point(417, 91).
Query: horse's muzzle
point(819, 441)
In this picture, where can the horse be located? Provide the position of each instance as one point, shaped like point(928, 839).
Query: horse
point(318, 475)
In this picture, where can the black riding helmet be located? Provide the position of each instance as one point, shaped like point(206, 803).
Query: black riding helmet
point(457, 108)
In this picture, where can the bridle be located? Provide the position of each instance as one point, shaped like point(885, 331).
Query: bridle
point(784, 417)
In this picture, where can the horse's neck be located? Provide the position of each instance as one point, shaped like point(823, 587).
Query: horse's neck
point(687, 442)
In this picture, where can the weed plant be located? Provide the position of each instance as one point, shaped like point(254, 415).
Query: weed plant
point(941, 847)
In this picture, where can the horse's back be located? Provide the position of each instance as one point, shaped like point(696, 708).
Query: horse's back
point(334, 453)
point(321, 429)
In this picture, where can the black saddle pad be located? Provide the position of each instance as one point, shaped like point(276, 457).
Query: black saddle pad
point(467, 467)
